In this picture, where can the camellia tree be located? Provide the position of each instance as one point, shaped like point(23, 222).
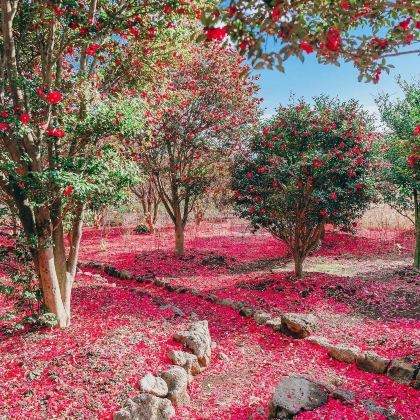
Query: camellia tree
point(195, 117)
point(364, 32)
point(309, 166)
point(400, 174)
point(59, 60)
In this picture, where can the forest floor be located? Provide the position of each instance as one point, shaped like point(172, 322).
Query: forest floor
point(361, 289)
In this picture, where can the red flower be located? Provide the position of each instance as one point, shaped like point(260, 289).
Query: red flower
point(411, 160)
point(333, 39)
point(4, 114)
point(333, 196)
point(68, 190)
point(54, 97)
point(249, 175)
point(216, 34)
point(316, 163)
point(252, 209)
point(377, 75)
point(344, 5)
point(24, 118)
point(92, 49)
point(416, 131)
point(4, 127)
point(275, 15)
point(323, 213)
point(359, 186)
point(403, 26)
point(306, 47)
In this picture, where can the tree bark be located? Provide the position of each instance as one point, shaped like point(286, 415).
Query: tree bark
point(298, 266)
point(179, 233)
point(417, 229)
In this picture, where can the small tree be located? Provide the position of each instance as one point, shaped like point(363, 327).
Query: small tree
point(309, 166)
point(400, 174)
point(194, 119)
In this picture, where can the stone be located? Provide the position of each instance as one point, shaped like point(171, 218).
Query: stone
point(178, 312)
point(146, 407)
point(188, 361)
point(274, 323)
point(401, 371)
point(226, 302)
point(223, 356)
point(177, 380)
point(247, 311)
point(343, 395)
point(373, 408)
point(125, 275)
point(198, 340)
point(294, 394)
point(344, 353)
point(369, 361)
point(298, 325)
point(261, 317)
point(154, 385)
point(318, 339)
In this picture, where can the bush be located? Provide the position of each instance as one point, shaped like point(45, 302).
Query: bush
point(142, 229)
point(309, 166)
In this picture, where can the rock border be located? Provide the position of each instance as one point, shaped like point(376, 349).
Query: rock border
point(298, 326)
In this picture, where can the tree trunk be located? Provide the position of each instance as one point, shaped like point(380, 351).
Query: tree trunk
point(179, 239)
point(417, 229)
point(298, 266)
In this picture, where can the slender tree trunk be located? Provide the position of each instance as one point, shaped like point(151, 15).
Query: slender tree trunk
point(179, 232)
point(298, 266)
point(417, 229)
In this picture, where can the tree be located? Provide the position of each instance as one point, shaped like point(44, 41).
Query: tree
point(195, 116)
point(400, 174)
point(58, 61)
point(309, 166)
point(365, 33)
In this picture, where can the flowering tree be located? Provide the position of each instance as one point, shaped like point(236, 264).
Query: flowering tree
point(363, 32)
point(195, 116)
point(58, 61)
point(309, 166)
point(400, 174)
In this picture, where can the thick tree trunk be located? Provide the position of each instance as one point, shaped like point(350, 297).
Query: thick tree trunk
point(179, 239)
point(417, 229)
point(298, 266)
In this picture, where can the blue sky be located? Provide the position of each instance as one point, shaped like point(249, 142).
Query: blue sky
point(310, 79)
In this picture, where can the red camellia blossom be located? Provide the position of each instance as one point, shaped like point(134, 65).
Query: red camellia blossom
point(54, 97)
point(4, 114)
point(216, 34)
point(4, 127)
point(333, 196)
point(344, 5)
point(334, 39)
point(404, 24)
point(416, 131)
point(411, 161)
point(306, 47)
point(275, 15)
point(68, 190)
point(24, 118)
point(359, 186)
point(92, 49)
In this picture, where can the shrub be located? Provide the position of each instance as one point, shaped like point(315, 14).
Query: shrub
point(309, 166)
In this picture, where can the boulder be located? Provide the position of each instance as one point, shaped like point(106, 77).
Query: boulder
point(369, 361)
point(261, 317)
point(146, 407)
point(177, 380)
point(153, 385)
point(188, 361)
point(125, 275)
point(344, 353)
point(274, 323)
point(247, 311)
point(294, 394)
point(298, 325)
point(226, 302)
point(318, 339)
point(401, 371)
point(198, 340)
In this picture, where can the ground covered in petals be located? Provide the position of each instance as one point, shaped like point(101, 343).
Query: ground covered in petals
point(361, 288)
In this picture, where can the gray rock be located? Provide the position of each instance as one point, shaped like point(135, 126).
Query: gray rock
point(177, 380)
point(146, 407)
point(226, 302)
point(153, 385)
point(125, 275)
point(401, 371)
point(188, 361)
point(294, 394)
point(343, 395)
point(318, 339)
point(373, 408)
point(369, 361)
point(198, 340)
point(344, 353)
point(298, 325)
point(223, 356)
point(247, 311)
point(174, 309)
point(274, 323)
point(261, 317)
